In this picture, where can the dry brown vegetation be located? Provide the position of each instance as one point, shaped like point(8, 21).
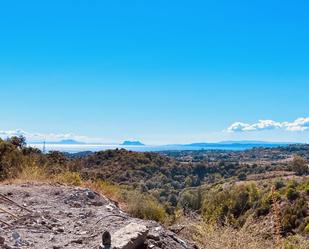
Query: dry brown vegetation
point(252, 235)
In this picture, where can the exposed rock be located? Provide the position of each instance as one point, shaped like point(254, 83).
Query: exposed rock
point(70, 217)
point(131, 236)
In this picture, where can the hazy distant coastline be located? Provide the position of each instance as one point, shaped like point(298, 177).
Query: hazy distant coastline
point(78, 147)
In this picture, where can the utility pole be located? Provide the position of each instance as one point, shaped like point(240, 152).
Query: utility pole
point(44, 146)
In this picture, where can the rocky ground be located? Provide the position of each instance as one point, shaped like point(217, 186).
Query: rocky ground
point(69, 217)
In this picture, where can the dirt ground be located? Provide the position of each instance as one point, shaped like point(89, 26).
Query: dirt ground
point(68, 217)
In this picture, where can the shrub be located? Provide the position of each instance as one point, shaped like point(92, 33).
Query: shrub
point(230, 204)
point(292, 194)
point(296, 242)
point(190, 200)
point(242, 176)
point(293, 215)
point(279, 184)
point(306, 188)
point(264, 205)
point(300, 165)
point(145, 208)
point(11, 160)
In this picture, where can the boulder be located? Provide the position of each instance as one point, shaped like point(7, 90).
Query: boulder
point(131, 236)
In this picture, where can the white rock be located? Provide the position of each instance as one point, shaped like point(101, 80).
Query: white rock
point(129, 237)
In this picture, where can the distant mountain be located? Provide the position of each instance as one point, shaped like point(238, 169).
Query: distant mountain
point(133, 143)
point(243, 142)
point(69, 141)
point(65, 141)
point(251, 142)
point(234, 145)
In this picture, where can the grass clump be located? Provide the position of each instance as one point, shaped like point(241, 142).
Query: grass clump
point(69, 178)
point(215, 236)
point(32, 173)
point(146, 207)
point(296, 242)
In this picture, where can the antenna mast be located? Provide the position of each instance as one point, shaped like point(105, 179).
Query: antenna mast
point(44, 146)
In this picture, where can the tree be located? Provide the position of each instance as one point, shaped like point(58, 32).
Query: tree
point(242, 176)
point(19, 142)
point(11, 160)
point(292, 194)
point(300, 165)
point(56, 157)
point(173, 200)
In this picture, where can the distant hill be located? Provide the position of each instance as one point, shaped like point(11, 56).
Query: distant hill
point(134, 143)
point(251, 142)
point(237, 144)
point(65, 141)
point(69, 141)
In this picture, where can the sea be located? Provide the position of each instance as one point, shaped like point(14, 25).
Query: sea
point(75, 148)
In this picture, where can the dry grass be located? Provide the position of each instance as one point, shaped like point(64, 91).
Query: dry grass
point(296, 242)
point(255, 234)
point(111, 191)
point(213, 236)
point(30, 173)
point(34, 173)
point(69, 178)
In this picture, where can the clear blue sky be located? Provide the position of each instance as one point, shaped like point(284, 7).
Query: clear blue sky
point(156, 71)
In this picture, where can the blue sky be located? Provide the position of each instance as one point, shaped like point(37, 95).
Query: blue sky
point(156, 71)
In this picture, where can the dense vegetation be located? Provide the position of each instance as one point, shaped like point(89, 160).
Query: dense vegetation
point(222, 187)
point(167, 177)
